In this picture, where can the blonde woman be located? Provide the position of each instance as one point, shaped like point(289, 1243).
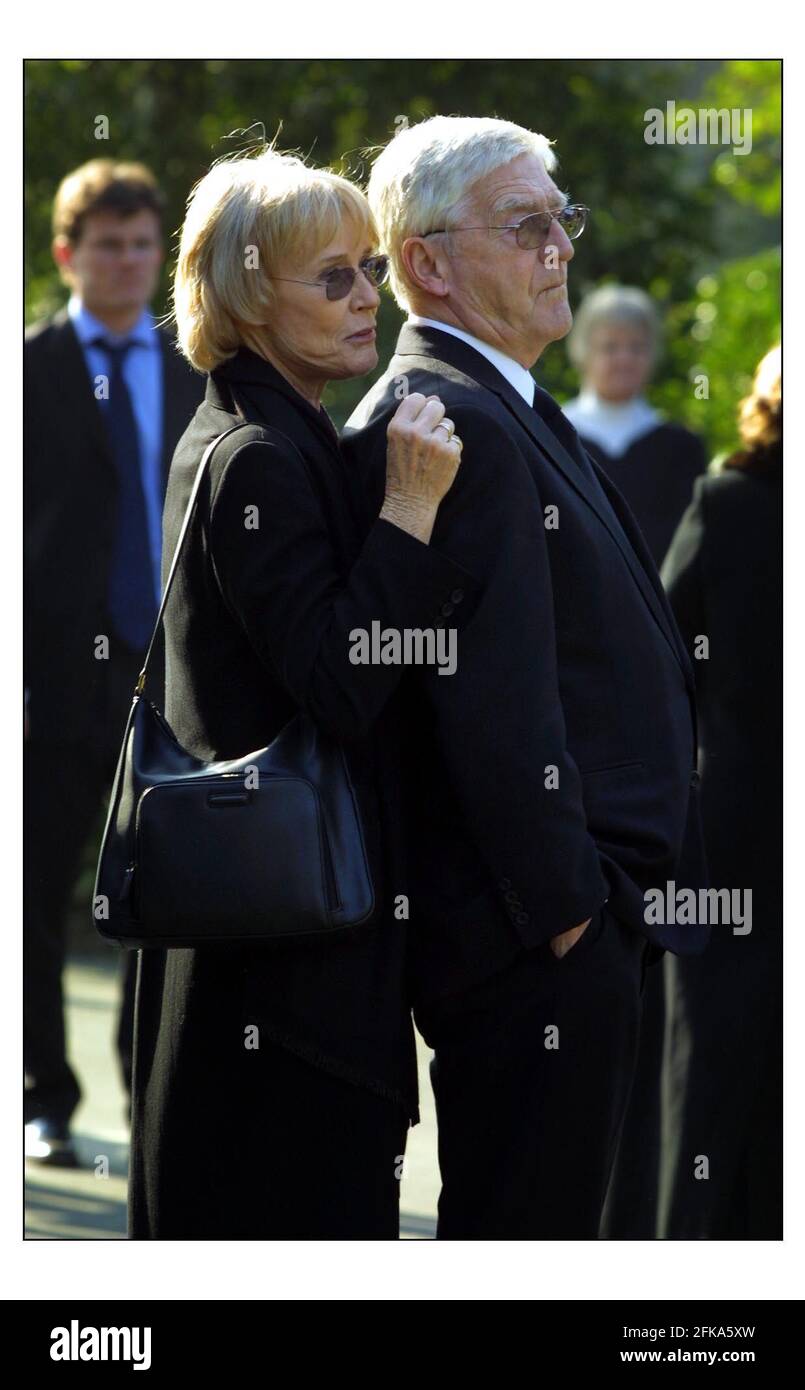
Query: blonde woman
point(302, 1136)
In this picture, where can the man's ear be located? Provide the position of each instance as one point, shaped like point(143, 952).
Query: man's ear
point(62, 252)
point(425, 265)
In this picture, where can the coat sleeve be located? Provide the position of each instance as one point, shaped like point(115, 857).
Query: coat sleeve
point(500, 723)
point(282, 583)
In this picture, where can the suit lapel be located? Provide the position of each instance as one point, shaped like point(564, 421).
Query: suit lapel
point(648, 568)
point(430, 344)
point(77, 388)
point(635, 552)
point(264, 397)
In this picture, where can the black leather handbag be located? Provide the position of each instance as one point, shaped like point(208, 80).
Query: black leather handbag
point(269, 845)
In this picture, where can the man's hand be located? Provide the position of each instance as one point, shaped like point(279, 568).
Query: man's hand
point(560, 945)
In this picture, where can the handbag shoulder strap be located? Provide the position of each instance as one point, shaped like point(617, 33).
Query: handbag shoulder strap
point(188, 516)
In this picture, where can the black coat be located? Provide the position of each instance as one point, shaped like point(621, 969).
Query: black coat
point(655, 475)
point(70, 492)
point(257, 627)
point(724, 579)
point(723, 1065)
point(571, 661)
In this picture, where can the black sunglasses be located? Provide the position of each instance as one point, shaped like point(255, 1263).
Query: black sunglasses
point(338, 282)
point(532, 231)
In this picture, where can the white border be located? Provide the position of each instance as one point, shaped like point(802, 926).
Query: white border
point(564, 1271)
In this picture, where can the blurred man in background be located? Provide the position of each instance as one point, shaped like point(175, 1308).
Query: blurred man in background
point(106, 399)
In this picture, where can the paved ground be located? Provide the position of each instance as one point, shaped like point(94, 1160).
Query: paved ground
point(89, 1203)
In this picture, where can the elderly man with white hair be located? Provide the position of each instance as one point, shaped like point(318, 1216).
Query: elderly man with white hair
point(551, 778)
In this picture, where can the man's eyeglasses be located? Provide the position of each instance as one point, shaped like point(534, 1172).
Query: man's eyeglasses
point(338, 282)
point(532, 231)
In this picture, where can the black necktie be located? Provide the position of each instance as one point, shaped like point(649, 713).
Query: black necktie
point(550, 413)
point(130, 596)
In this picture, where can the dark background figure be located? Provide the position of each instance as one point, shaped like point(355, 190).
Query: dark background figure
point(614, 345)
point(106, 399)
point(653, 463)
point(722, 1080)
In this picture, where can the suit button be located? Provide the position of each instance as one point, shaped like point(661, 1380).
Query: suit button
point(439, 622)
point(695, 779)
point(446, 609)
point(504, 884)
point(457, 595)
point(522, 918)
point(512, 896)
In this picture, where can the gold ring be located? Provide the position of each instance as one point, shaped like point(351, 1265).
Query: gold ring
point(459, 442)
point(447, 425)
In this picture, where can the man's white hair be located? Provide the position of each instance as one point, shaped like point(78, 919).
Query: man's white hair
point(422, 177)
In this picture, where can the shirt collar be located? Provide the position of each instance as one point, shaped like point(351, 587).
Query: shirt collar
point(88, 327)
point(515, 374)
point(613, 425)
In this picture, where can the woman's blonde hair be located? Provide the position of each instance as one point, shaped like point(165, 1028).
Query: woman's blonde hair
point(245, 219)
point(760, 415)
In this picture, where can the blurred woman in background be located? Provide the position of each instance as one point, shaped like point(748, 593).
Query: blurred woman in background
point(614, 345)
point(722, 1083)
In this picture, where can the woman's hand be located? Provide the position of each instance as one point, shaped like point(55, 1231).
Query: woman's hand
point(422, 459)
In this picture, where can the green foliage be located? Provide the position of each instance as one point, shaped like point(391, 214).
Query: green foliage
point(663, 217)
point(754, 85)
point(715, 340)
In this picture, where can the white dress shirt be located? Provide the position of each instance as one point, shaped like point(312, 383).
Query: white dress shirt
point(516, 375)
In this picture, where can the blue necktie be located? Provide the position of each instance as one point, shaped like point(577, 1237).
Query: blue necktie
point(130, 597)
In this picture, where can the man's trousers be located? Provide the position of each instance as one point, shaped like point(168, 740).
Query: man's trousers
point(65, 785)
point(531, 1075)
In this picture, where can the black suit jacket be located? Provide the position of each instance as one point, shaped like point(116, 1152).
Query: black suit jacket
point(70, 490)
point(556, 768)
point(655, 476)
point(258, 627)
